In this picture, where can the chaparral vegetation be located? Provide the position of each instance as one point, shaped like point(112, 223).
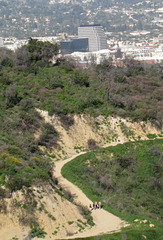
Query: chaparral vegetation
point(127, 177)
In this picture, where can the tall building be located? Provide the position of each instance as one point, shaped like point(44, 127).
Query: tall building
point(96, 36)
point(75, 45)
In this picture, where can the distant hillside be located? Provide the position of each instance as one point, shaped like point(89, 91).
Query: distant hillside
point(24, 19)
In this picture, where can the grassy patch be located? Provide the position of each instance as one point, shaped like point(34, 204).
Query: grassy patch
point(131, 233)
point(36, 231)
point(151, 136)
point(127, 179)
point(70, 222)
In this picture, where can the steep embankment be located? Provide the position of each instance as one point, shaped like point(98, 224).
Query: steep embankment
point(72, 139)
point(55, 215)
point(87, 133)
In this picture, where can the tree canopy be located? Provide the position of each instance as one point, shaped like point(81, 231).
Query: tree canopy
point(41, 51)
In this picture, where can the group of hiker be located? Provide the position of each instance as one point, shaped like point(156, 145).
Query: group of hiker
point(95, 206)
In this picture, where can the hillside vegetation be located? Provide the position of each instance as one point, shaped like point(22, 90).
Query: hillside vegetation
point(127, 179)
point(29, 82)
point(134, 91)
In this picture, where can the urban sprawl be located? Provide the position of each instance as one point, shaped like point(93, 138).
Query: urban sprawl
point(92, 44)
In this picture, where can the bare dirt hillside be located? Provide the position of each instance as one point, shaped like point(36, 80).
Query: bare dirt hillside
point(103, 131)
point(57, 216)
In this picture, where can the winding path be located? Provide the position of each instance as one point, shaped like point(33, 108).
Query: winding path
point(105, 222)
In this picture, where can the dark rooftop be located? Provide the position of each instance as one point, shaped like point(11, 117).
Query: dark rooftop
point(91, 25)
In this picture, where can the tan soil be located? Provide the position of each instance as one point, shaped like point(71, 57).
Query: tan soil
point(105, 132)
point(102, 130)
point(64, 212)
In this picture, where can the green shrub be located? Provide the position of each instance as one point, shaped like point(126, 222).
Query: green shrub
point(81, 79)
point(15, 238)
point(7, 62)
point(2, 193)
point(36, 231)
point(49, 136)
point(151, 136)
point(120, 79)
point(92, 144)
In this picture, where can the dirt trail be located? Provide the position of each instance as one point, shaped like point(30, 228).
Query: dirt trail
point(105, 222)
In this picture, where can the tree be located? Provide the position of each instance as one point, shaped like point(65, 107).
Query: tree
point(12, 97)
point(6, 57)
point(140, 25)
point(133, 67)
point(22, 56)
point(42, 51)
point(35, 54)
point(81, 79)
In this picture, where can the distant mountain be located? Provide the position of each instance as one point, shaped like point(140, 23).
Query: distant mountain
point(25, 18)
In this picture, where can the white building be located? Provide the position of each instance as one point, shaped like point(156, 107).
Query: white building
point(96, 36)
point(142, 52)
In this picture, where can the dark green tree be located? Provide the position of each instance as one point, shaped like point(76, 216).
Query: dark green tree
point(42, 51)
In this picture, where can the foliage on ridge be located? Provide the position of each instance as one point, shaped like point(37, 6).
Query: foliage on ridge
point(28, 80)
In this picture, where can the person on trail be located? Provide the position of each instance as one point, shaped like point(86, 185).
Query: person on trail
point(90, 207)
point(99, 204)
point(95, 205)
